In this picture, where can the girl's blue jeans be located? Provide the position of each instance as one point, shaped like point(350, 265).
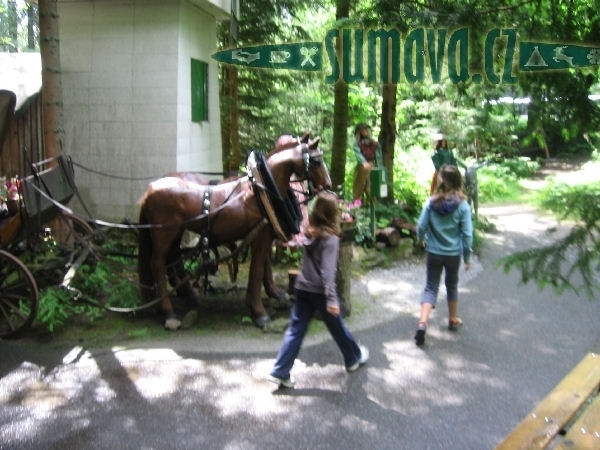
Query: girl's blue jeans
point(302, 312)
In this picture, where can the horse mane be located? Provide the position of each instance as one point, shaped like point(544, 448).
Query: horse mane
point(286, 141)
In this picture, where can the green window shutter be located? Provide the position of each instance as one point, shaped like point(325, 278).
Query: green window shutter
point(199, 91)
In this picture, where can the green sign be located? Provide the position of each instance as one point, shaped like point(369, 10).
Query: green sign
point(303, 56)
point(385, 56)
point(540, 56)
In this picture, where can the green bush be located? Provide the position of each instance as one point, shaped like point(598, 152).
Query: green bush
point(110, 282)
point(57, 307)
point(577, 202)
point(499, 181)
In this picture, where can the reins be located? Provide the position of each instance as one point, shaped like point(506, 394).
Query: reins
point(145, 178)
point(104, 223)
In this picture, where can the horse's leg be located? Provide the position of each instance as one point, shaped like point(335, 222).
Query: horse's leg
point(259, 249)
point(145, 275)
point(179, 278)
point(151, 265)
point(162, 243)
point(271, 288)
point(180, 281)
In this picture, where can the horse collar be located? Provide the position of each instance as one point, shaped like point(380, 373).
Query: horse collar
point(283, 213)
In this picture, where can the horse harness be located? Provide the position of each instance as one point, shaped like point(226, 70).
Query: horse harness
point(283, 213)
point(209, 264)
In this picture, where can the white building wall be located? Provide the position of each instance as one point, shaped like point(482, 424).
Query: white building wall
point(198, 143)
point(126, 90)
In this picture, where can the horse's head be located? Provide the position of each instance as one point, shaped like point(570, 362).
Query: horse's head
point(305, 162)
point(315, 169)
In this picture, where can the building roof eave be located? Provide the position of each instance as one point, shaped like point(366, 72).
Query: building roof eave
point(219, 9)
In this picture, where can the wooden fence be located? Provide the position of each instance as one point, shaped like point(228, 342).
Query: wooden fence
point(24, 140)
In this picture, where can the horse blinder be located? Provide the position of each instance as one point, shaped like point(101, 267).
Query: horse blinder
point(312, 161)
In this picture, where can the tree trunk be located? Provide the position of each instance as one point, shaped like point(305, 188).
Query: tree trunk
point(234, 163)
point(229, 120)
point(13, 25)
point(31, 26)
point(225, 117)
point(535, 112)
point(340, 135)
point(387, 136)
point(52, 103)
point(340, 112)
point(230, 137)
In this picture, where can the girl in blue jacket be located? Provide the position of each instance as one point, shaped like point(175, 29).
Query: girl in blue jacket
point(446, 227)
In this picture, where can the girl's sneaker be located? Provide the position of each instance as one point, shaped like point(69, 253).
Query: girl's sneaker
point(364, 357)
point(281, 382)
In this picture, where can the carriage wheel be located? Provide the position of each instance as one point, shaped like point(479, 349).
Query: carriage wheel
point(76, 238)
point(19, 296)
point(77, 231)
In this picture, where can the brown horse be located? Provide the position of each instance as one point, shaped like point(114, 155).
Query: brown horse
point(176, 272)
point(222, 214)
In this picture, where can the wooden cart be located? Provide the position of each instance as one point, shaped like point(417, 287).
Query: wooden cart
point(42, 196)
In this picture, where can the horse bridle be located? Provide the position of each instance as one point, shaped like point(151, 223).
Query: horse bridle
point(310, 161)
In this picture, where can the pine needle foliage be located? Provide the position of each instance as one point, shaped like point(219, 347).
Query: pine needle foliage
point(572, 262)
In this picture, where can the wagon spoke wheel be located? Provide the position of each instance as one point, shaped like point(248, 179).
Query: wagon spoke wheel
point(77, 236)
point(19, 296)
point(77, 232)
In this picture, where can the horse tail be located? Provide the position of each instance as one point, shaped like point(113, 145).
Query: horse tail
point(145, 276)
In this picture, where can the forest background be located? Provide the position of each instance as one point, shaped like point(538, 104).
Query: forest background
point(541, 116)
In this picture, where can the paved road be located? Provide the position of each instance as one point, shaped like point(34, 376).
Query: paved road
point(462, 390)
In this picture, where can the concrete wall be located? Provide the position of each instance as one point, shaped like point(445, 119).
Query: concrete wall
point(127, 103)
point(198, 144)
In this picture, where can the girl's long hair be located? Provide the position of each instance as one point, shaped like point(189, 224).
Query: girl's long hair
point(325, 216)
point(450, 184)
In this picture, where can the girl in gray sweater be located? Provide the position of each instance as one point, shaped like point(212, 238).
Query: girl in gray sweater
point(315, 290)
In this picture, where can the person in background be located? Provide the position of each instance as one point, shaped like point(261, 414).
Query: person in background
point(441, 155)
point(368, 155)
point(316, 290)
point(446, 227)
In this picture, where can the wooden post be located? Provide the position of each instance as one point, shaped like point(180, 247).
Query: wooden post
point(344, 272)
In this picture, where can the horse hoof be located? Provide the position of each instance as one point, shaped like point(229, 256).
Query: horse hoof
point(282, 299)
point(262, 322)
point(190, 319)
point(172, 323)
